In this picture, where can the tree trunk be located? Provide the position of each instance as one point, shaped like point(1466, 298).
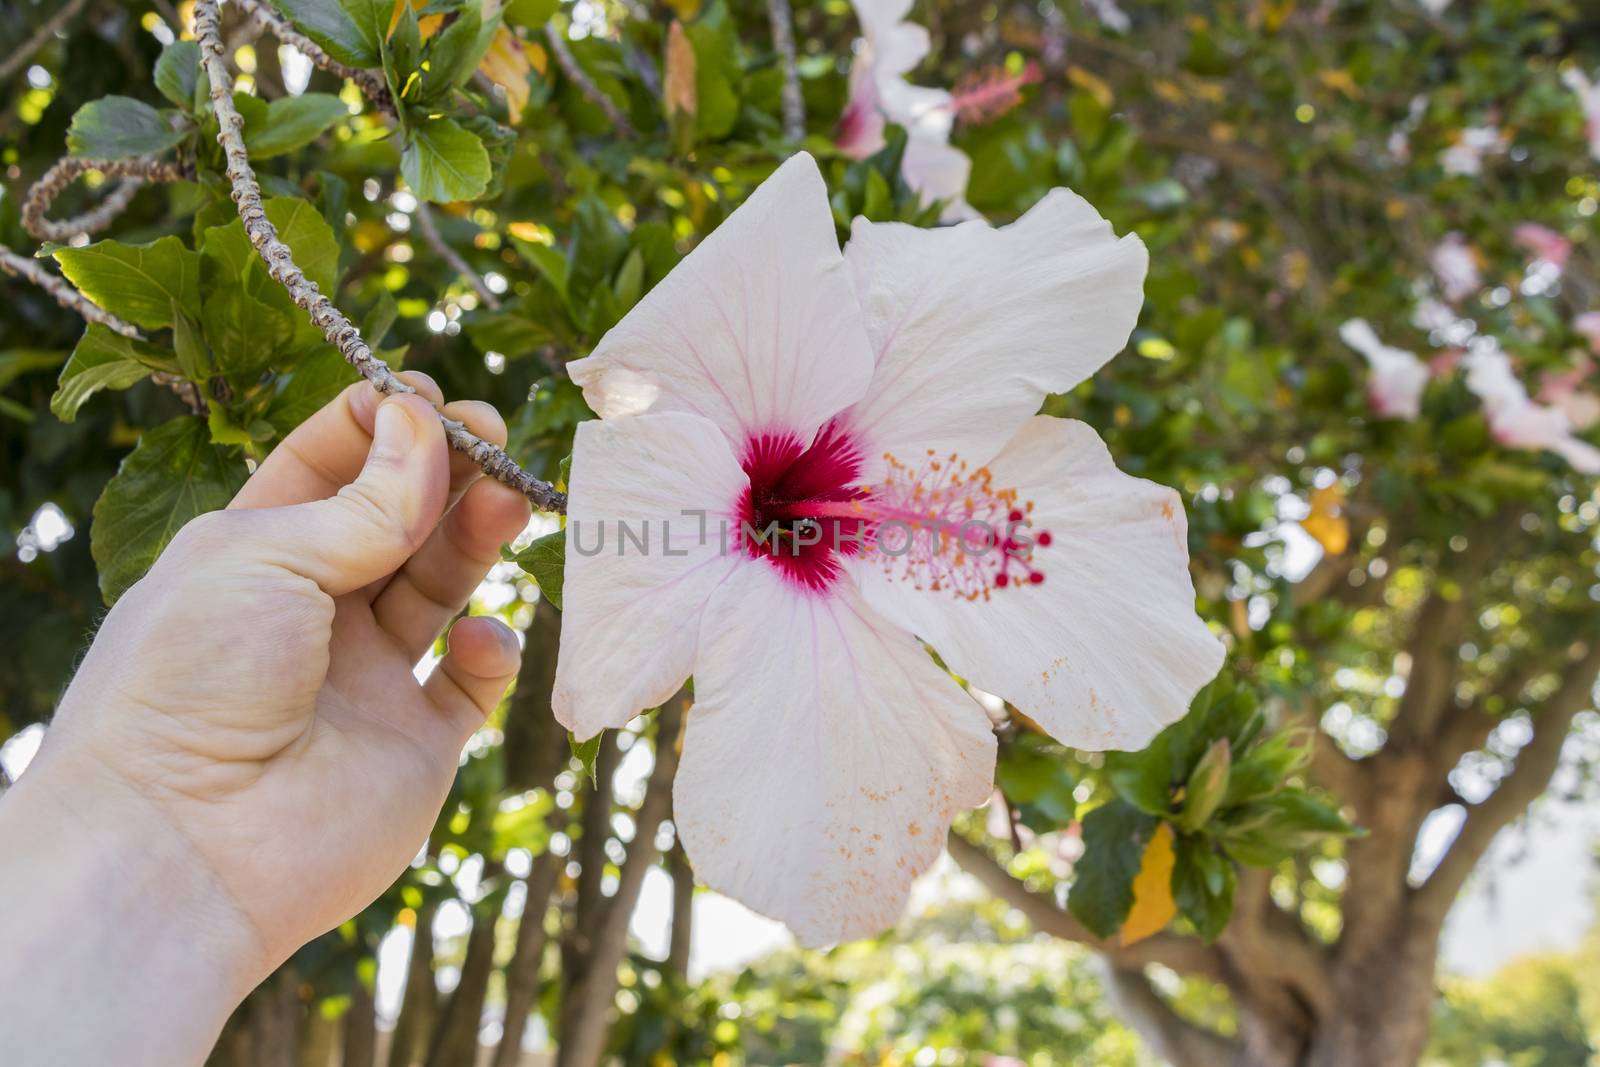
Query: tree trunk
point(360, 1027)
point(522, 973)
point(682, 911)
point(587, 1010)
point(1385, 1006)
point(455, 1043)
point(411, 1028)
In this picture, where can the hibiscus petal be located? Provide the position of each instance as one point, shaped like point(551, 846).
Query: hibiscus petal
point(825, 756)
point(627, 633)
point(972, 326)
point(757, 329)
point(1108, 649)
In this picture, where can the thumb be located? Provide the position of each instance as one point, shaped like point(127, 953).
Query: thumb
point(374, 524)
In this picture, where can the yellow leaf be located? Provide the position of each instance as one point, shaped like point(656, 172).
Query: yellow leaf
point(1092, 84)
point(1169, 91)
point(1327, 522)
point(1153, 906)
point(508, 64)
point(678, 89)
point(1339, 80)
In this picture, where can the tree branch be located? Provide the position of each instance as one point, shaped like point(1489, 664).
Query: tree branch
point(430, 234)
point(1186, 955)
point(794, 103)
point(583, 83)
point(69, 169)
point(41, 37)
point(370, 82)
point(1536, 764)
point(339, 331)
point(1172, 1037)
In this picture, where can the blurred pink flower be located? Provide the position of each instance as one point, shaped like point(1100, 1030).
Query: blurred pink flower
point(1562, 389)
point(1518, 422)
point(1542, 242)
point(1589, 100)
point(1455, 265)
point(1398, 377)
point(1445, 361)
point(879, 94)
point(766, 386)
point(1588, 324)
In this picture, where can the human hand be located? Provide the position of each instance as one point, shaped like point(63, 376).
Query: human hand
point(248, 711)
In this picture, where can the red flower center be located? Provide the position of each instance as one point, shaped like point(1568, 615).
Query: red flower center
point(937, 525)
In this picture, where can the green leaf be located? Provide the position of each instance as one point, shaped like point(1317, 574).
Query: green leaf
point(545, 561)
point(315, 381)
point(716, 78)
point(1207, 784)
point(1114, 840)
point(116, 127)
point(300, 226)
point(1273, 829)
point(102, 360)
point(245, 334)
point(371, 17)
point(177, 73)
point(444, 163)
point(194, 359)
point(173, 475)
point(16, 362)
point(454, 54)
point(1144, 778)
point(350, 36)
point(223, 431)
point(375, 327)
point(531, 14)
point(139, 283)
point(1202, 885)
point(292, 122)
point(586, 752)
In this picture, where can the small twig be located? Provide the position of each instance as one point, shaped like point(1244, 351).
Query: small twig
point(430, 233)
point(339, 331)
point(794, 104)
point(591, 92)
point(70, 169)
point(370, 82)
point(41, 37)
point(62, 292)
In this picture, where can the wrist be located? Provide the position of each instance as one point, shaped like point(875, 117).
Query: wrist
point(99, 887)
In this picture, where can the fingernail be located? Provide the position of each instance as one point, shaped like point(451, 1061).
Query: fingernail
point(508, 640)
point(393, 432)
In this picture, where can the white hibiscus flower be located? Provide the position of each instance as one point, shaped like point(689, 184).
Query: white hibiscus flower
point(890, 49)
point(1398, 377)
point(770, 389)
point(1517, 421)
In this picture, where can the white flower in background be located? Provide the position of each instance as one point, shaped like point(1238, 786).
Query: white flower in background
point(1465, 157)
point(1589, 100)
point(852, 409)
point(1109, 15)
point(1543, 243)
point(1455, 265)
point(879, 94)
point(1398, 377)
point(1517, 421)
point(1564, 390)
point(1436, 7)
